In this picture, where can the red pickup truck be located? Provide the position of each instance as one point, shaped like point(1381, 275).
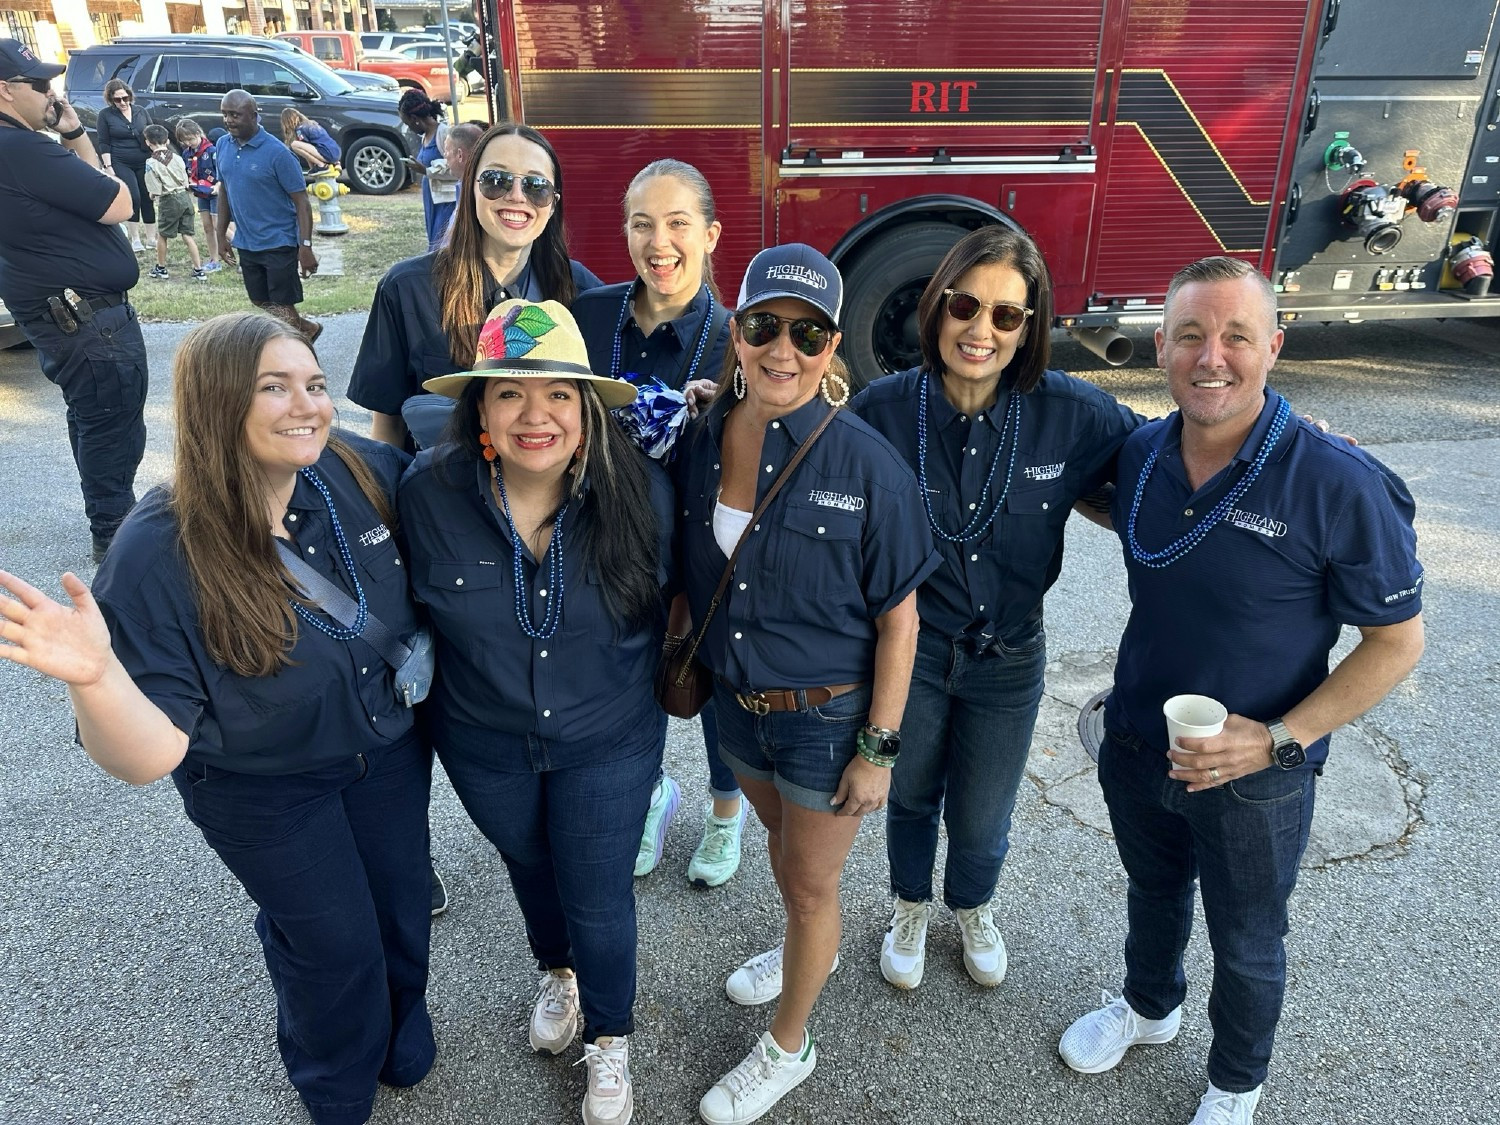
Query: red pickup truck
point(342, 49)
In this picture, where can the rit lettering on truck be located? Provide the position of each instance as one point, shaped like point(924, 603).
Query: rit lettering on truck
point(941, 96)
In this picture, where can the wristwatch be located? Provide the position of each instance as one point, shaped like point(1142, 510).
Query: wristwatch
point(881, 742)
point(73, 134)
point(307, 242)
point(1286, 751)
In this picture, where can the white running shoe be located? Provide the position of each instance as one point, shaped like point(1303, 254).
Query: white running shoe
point(1220, 1107)
point(903, 952)
point(554, 1017)
point(609, 1100)
point(767, 1075)
point(1096, 1042)
point(984, 947)
point(758, 980)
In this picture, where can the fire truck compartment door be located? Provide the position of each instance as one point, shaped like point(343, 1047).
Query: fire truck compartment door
point(1429, 39)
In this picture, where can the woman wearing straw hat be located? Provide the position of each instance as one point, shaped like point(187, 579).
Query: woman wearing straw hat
point(821, 528)
point(541, 541)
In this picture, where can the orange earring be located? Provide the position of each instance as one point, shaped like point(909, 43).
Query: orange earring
point(487, 446)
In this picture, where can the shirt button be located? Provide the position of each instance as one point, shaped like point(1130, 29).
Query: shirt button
point(980, 417)
point(373, 719)
point(542, 593)
point(544, 654)
point(684, 511)
point(716, 467)
point(1044, 505)
point(775, 425)
point(312, 550)
point(973, 452)
point(364, 671)
point(1188, 512)
point(820, 531)
point(546, 714)
point(292, 516)
point(981, 609)
point(643, 355)
point(458, 581)
point(963, 417)
point(398, 562)
point(972, 507)
point(757, 527)
point(769, 468)
point(973, 558)
point(739, 636)
point(742, 585)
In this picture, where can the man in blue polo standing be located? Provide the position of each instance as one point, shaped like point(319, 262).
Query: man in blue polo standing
point(1250, 539)
point(262, 191)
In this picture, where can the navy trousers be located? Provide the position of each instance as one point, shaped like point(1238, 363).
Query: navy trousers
point(336, 859)
point(101, 371)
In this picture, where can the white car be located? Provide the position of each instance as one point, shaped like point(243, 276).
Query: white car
point(10, 331)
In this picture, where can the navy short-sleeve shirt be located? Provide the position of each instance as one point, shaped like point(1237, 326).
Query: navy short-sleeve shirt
point(990, 588)
point(842, 544)
point(335, 700)
point(51, 237)
point(577, 688)
point(404, 343)
point(1322, 538)
point(671, 354)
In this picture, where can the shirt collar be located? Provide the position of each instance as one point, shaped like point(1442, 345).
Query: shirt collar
point(804, 420)
point(943, 413)
point(686, 326)
point(259, 135)
point(1169, 438)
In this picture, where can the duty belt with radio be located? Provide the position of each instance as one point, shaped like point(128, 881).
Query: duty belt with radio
point(70, 310)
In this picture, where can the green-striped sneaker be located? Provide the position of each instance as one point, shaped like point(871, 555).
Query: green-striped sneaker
point(767, 1075)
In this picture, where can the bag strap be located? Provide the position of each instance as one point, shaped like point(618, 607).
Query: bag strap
point(342, 608)
point(734, 555)
point(711, 324)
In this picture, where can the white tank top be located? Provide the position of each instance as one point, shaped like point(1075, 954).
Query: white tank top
point(729, 525)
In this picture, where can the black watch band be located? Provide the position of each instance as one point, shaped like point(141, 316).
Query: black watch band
point(74, 134)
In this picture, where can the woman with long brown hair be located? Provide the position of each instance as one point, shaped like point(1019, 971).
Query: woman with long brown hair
point(233, 640)
point(122, 148)
point(506, 241)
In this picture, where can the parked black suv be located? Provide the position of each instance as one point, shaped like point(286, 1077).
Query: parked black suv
point(176, 76)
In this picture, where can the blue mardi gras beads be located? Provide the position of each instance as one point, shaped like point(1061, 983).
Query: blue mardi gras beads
point(1011, 427)
point(553, 617)
point(337, 632)
point(614, 358)
point(1181, 546)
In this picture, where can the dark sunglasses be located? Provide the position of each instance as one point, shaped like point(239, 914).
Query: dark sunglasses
point(538, 190)
point(120, 98)
point(40, 85)
point(810, 337)
point(1005, 316)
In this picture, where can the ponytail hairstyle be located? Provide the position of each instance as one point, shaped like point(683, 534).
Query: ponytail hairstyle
point(695, 182)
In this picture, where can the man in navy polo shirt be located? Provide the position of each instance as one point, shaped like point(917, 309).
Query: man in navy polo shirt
point(1250, 539)
point(262, 192)
point(65, 270)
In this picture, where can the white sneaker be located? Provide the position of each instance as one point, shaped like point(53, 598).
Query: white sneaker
point(768, 1074)
point(554, 1017)
point(1096, 1042)
point(903, 952)
point(1220, 1107)
point(758, 980)
point(609, 1100)
point(984, 948)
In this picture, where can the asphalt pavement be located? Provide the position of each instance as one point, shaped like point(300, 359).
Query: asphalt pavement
point(135, 991)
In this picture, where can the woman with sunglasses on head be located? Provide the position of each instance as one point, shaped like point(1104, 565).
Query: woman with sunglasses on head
point(668, 325)
point(542, 543)
point(1003, 449)
point(506, 240)
point(207, 652)
point(122, 149)
point(812, 642)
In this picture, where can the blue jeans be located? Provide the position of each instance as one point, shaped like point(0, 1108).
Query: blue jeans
point(336, 859)
point(1243, 842)
point(569, 838)
point(964, 741)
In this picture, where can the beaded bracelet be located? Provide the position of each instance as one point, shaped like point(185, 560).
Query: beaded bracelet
point(884, 761)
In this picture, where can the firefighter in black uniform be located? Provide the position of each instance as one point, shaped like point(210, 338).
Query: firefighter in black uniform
point(65, 269)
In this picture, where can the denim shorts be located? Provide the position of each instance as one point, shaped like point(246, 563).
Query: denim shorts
point(803, 753)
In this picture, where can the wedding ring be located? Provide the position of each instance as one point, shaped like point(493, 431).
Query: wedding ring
point(1213, 775)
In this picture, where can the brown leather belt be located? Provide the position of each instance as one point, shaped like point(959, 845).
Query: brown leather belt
point(787, 699)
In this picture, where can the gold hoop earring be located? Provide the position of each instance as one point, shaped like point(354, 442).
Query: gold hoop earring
point(739, 381)
point(843, 395)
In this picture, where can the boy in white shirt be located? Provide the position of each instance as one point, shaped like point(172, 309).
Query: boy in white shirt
point(167, 181)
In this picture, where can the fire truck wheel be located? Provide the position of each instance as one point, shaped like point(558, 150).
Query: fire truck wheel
point(882, 286)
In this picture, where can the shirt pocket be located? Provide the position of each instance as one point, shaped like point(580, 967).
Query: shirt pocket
point(1030, 530)
point(468, 600)
point(818, 548)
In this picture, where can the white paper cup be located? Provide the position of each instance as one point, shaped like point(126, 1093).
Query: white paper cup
point(1192, 716)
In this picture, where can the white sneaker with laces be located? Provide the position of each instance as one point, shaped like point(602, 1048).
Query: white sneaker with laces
point(1096, 1042)
point(767, 1075)
point(609, 1100)
point(554, 1016)
point(903, 952)
point(758, 980)
point(984, 947)
point(1220, 1107)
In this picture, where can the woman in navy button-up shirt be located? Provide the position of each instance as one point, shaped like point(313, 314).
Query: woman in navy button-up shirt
point(668, 324)
point(815, 634)
point(1003, 449)
point(280, 728)
point(541, 542)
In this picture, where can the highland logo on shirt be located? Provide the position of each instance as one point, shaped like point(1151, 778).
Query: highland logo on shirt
point(1251, 521)
point(837, 500)
point(1044, 472)
point(375, 535)
point(801, 274)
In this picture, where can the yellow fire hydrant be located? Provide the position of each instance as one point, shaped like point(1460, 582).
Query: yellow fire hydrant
point(324, 186)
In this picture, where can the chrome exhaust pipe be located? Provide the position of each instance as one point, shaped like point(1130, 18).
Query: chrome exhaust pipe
point(1105, 342)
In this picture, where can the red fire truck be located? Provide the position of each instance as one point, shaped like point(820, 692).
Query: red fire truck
point(1350, 150)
